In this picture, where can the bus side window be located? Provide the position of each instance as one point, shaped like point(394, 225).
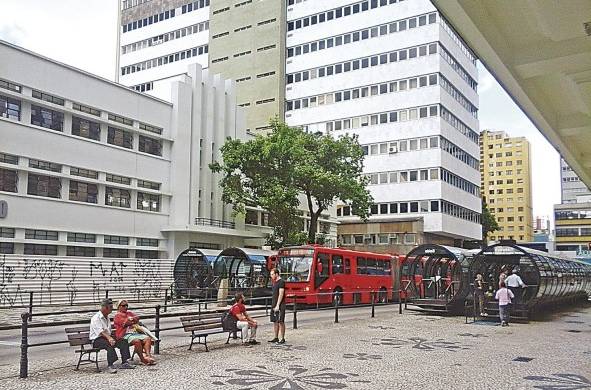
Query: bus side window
point(387, 268)
point(361, 266)
point(371, 267)
point(337, 264)
point(347, 266)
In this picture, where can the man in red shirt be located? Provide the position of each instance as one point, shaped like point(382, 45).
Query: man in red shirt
point(244, 321)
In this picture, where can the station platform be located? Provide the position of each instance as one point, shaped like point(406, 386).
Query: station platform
point(390, 351)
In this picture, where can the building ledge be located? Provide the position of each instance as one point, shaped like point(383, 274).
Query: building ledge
point(216, 231)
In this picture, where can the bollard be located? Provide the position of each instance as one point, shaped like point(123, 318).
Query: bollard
point(157, 330)
point(336, 308)
point(165, 300)
point(399, 303)
point(373, 305)
point(266, 306)
point(295, 314)
point(31, 305)
point(24, 372)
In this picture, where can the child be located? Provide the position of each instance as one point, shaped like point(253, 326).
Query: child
point(504, 296)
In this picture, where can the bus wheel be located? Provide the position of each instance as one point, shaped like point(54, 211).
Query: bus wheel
point(337, 296)
point(383, 295)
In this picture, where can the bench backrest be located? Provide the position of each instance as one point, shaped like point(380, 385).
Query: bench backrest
point(78, 336)
point(202, 322)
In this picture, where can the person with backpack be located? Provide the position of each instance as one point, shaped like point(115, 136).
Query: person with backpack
point(504, 296)
point(243, 321)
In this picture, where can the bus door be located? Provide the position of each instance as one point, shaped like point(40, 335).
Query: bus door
point(321, 271)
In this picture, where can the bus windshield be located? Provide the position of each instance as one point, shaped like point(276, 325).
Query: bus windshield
point(295, 268)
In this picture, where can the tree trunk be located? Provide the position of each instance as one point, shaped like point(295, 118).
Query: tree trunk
point(313, 229)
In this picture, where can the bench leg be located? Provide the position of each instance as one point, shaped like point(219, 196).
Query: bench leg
point(205, 343)
point(96, 361)
point(79, 360)
point(229, 335)
point(192, 341)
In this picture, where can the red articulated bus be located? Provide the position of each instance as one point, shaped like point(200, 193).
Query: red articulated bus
point(319, 275)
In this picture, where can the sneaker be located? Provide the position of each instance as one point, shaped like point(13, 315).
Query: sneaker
point(282, 341)
point(253, 342)
point(274, 340)
point(126, 366)
point(111, 370)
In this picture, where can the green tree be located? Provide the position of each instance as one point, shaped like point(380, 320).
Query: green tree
point(489, 222)
point(273, 171)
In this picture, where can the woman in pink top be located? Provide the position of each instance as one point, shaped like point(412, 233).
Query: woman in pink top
point(504, 296)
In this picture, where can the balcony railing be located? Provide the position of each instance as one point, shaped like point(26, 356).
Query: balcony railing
point(215, 223)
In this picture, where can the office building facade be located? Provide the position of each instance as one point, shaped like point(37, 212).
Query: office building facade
point(396, 75)
point(90, 168)
point(505, 166)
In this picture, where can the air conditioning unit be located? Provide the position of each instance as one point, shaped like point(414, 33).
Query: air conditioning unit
point(393, 148)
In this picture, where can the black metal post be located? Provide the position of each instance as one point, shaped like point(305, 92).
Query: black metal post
point(24, 369)
point(266, 306)
point(399, 301)
point(373, 305)
point(165, 300)
point(199, 309)
point(295, 313)
point(31, 304)
point(157, 330)
point(336, 308)
point(106, 294)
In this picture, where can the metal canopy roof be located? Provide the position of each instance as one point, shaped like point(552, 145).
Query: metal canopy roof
point(540, 52)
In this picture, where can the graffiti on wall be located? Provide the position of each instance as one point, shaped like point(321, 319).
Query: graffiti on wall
point(80, 280)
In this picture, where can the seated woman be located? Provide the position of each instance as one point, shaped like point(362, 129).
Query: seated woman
point(126, 327)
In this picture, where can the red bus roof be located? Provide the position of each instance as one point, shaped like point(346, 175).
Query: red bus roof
point(339, 250)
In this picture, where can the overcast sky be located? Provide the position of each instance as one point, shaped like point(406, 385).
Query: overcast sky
point(83, 33)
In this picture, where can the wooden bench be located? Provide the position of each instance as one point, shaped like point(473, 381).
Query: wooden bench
point(78, 337)
point(204, 325)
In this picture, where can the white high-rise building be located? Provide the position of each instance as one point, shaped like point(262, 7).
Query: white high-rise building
point(158, 39)
point(394, 73)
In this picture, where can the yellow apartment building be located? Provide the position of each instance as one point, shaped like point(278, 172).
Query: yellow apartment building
point(505, 168)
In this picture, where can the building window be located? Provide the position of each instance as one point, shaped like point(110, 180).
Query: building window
point(148, 202)
point(85, 128)
point(150, 128)
point(86, 109)
point(6, 248)
point(47, 186)
point(118, 179)
point(40, 249)
point(45, 165)
point(82, 251)
point(118, 253)
point(81, 237)
point(120, 137)
point(148, 184)
point(83, 192)
point(35, 234)
point(83, 172)
point(48, 98)
point(47, 118)
point(8, 158)
point(8, 180)
point(6, 232)
point(146, 242)
point(150, 145)
point(120, 119)
point(116, 240)
point(10, 108)
point(144, 254)
point(117, 197)
point(10, 86)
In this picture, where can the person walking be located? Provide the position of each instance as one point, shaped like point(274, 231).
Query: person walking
point(100, 337)
point(479, 290)
point(516, 285)
point(504, 296)
point(244, 322)
point(278, 307)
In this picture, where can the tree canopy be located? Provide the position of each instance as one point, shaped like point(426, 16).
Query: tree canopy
point(273, 171)
point(489, 222)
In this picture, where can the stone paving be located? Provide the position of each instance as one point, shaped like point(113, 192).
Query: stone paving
point(390, 351)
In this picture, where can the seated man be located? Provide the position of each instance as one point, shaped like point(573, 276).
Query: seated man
point(100, 336)
point(244, 321)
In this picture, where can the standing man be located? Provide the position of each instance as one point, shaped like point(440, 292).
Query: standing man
point(516, 285)
point(100, 336)
point(244, 321)
point(278, 307)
